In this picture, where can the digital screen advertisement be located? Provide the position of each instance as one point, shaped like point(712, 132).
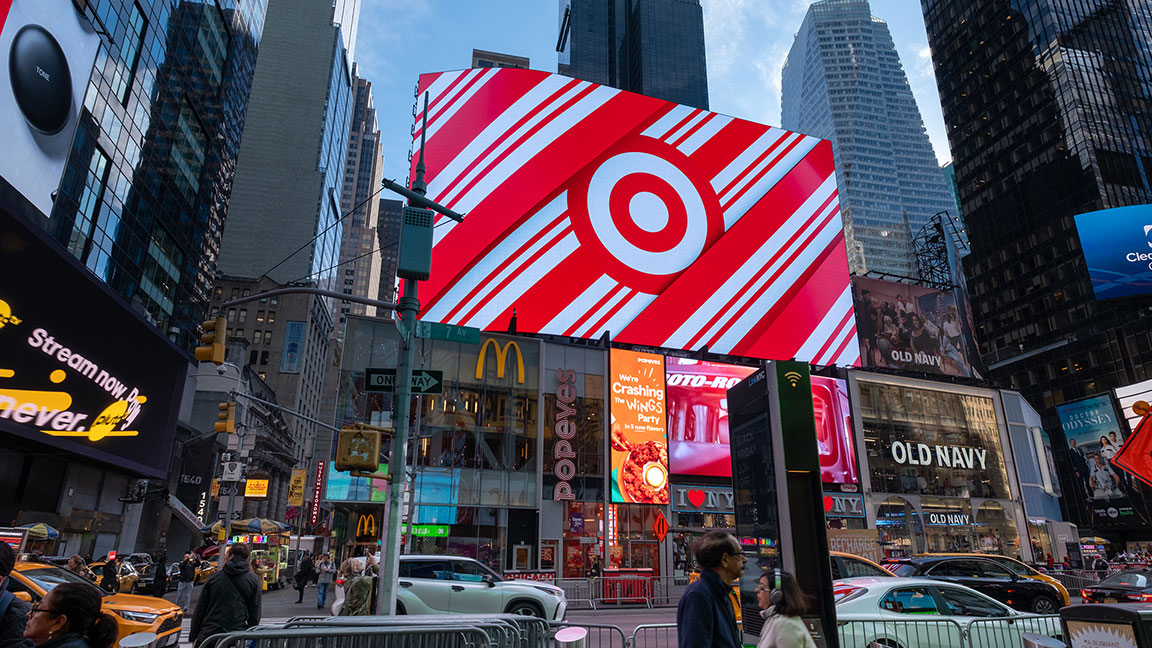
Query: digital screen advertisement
point(1094, 435)
point(609, 211)
point(79, 370)
point(46, 53)
point(639, 428)
point(908, 327)
point(1117, 248)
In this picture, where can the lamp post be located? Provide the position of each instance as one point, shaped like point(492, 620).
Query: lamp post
point(239, 455)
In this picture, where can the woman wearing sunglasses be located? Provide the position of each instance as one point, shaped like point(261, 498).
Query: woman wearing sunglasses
point(781, 608)
point(69, 616)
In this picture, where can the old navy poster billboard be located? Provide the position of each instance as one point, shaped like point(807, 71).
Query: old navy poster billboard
point(912, 328)
point(78, 369)
point(1117, 247)
point(1094, 436)
point(592, 210)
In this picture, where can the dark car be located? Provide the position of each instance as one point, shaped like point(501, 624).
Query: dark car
point(986, 576)
point(149, 583)
point(1132, 586)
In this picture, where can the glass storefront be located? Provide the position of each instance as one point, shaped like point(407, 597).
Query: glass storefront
point(582, 534)
point(634, 545)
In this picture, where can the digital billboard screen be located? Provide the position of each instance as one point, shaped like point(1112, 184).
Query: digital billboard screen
point(592, 210)
point(698, 423)
point(1117, 248)
point(78, 369)
point(912, 328)
point(1094, 436)
point(639, 428)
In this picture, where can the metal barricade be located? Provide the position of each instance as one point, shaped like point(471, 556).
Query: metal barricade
point(866, 633)
point(579, 591)
point(655, 635)
point(443, 636)
point(667, 590)
point(1007, 632)
point(626, 589)
point(505, 630)
point(599, 635)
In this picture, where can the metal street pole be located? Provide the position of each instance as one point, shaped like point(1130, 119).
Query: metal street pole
point(239, 456)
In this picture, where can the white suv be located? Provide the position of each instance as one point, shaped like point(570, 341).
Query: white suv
point(443, 584)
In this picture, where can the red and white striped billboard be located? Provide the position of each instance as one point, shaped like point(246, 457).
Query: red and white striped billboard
point(590, 209)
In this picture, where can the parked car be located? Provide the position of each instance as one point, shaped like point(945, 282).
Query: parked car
point(1016, 567)
point(204, 569)
point(450, 584)
point(1132, 586)
point(32, 581)
point(919, 612)
point(138, 559)
point(845, 565)
point(986, 576)
point(127, 575)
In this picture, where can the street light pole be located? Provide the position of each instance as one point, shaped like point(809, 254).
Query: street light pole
point(239, 455)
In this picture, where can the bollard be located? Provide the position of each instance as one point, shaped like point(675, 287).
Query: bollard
point(572, 637)
point(1040, 641)
point(138, 640)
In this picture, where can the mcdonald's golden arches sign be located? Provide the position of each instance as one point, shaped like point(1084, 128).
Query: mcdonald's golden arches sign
point(501, 359)
point(366, 526)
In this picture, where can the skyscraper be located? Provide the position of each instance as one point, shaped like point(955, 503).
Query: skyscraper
point(651, 47)
point(391, 211)
point(359, 252)
point(1045, 105)
point(284, 218)
point(843, 82)
point(144, 195)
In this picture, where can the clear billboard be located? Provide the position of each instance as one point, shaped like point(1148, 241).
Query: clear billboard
point(1117, 248)
point(592, 210)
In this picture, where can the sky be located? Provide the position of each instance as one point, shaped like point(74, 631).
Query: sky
point(746, 42)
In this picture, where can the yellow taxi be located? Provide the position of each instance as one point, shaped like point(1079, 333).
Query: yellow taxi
point(31, 581)
point(127, 575)
point(203, 570)
point(1016, 567)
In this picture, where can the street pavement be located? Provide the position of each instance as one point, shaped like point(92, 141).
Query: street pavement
point(280, 605)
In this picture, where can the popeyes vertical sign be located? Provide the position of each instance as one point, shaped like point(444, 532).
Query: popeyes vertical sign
point(562, 453)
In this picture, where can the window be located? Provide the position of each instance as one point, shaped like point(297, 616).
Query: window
point(235, 293)
point(958, 568)
point(964, 603)
point(854, 568)
point(995, 570)
point(239, 332)
point(466, 570)
point(94, 182)
point(243, 316)
point(188, 151)
point(259, 317)
point(252, 356)
point(256, 336)
point(231, 314)
point(272, 314)
point(267, 337)
point(129, 55)
point(910, 600)
point(427, 569)
point(263, 357)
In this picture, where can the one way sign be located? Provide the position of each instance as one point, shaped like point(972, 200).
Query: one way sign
point(423, 382)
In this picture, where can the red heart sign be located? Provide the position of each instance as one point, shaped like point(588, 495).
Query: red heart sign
point(696, 497)
point(828, 502)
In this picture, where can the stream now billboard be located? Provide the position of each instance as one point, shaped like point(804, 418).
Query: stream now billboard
point(590, 210)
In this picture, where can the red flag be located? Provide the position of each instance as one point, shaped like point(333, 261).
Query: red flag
point(1135, 456)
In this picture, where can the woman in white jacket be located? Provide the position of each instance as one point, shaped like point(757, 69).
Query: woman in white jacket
point(781, 608)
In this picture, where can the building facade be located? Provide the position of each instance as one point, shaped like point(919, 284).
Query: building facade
point(285, 209)
point(1052, 127)
point(388, 233)
point(843, 81)
point(486, 59)
point(360, 253)
point(651, 47)
point(145, 193)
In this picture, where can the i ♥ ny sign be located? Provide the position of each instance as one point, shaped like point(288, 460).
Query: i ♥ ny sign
point(702, 498)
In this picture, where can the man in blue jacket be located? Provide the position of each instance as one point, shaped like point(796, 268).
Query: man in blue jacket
point(705, 618)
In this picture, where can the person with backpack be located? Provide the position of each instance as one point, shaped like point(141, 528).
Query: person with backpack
point(13, 611)
point(230, 600)
point(304, 571)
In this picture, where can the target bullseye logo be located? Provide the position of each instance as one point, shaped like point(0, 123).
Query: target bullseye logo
point(651, 218)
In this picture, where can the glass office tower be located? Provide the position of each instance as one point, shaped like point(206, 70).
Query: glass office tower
point(143, 199)
point(651, 47)
point(843, 82)
point(1046, 107)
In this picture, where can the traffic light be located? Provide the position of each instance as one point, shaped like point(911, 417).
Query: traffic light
point(227, 418)
point(212, 341)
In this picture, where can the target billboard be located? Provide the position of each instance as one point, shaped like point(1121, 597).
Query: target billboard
point(589, 209)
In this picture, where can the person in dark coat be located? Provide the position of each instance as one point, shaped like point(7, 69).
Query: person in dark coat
point(230, 600)
point(70, 616)
point(303, 575)
point(186, 581)
point(705, 617)
point(110, 576)
point(13, 611)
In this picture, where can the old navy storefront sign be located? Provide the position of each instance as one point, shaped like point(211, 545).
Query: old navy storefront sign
point(591, 209)
point(78, 369)
point(920, 454)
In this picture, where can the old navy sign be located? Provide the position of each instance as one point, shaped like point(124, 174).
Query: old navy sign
point(691, 499)
point(948, 519)
point(565, 468)
point(920, 454)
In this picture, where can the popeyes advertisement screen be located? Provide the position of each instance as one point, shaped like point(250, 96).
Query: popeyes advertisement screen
point(698, 421)
point(639, 428)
